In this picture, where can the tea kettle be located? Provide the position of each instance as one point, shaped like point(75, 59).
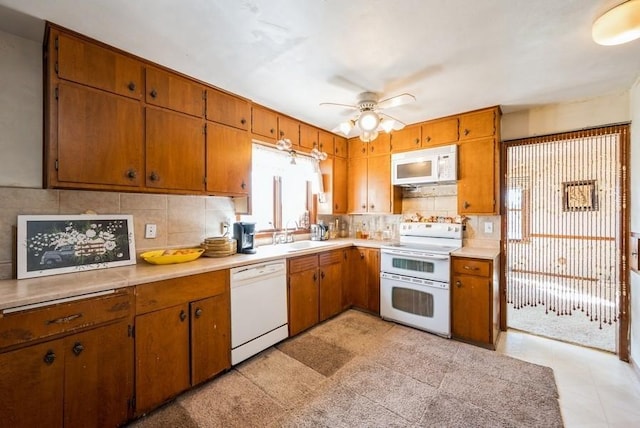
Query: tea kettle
point(319, 232)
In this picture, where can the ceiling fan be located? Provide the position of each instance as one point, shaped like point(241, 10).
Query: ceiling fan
point(370, 119)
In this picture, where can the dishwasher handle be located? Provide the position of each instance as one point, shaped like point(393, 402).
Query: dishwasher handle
point(245, 273)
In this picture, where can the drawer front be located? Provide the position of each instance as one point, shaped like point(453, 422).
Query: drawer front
point(23, 327)
point(330, 257)
point(300, 264)
point(471, 266)
point(176, 291)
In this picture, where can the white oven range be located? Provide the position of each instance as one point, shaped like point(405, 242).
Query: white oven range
point(414, 277)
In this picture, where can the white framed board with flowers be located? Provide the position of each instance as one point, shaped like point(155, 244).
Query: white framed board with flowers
point(54, 244)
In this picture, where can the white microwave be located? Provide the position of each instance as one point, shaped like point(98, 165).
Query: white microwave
point(436, 165)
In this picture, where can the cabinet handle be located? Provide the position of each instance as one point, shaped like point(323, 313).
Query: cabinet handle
point(272, 130)
point(428, 139)
point(198, 312)
point(335, 206)
point(322, 274)
point(364, 206)
point(153, 93)
point(243, 185)
point(466, 132)
point(131, 86)
point(372, 206)
point(49, 357)
point(131, 174)
point(154, 176)
point(466, 205)
point(361, 256)
point(243, 121)
point(364, 150)
point(458, 284)
point(417, 141)
point(183, 315)
point(315, 276)
point(282, 133)
point(471, 268)
point(77, 348)
point(64, 320)
point(372, 147)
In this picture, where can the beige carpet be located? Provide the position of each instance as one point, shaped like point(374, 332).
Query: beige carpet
point(359, 371)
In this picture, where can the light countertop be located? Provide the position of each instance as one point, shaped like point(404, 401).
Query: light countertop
point(15, 293)
point(477, 252)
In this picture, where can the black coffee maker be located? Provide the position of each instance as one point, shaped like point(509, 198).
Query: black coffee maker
point(245, 234)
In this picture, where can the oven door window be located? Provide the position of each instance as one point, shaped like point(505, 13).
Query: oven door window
point(412, 265)
point(412, 301)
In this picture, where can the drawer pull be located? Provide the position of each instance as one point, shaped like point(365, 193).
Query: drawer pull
point(131, 86)
point(64, 320)
point(183, 315)
point(77, 348)
point(458, 284)
point(471, 268)
point(153, 93)
point(198, 313)
point(49, 357)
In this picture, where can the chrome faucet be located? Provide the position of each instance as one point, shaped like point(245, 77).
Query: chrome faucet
point(288, 237)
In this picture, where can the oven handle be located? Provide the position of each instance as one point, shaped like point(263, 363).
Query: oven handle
point(417, 255)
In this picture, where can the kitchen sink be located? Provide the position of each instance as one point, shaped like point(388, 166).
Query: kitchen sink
point(303, 245)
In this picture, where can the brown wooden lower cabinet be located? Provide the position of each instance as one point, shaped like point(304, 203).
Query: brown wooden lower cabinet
point(474, 308)
point(182, 329)
point(81, 377)
point(330, 289)
point(364, 278)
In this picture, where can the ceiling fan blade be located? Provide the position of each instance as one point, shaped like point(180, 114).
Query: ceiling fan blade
point(349, 106)
point(396, 101)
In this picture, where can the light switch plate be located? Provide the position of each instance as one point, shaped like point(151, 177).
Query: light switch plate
point(150, 231)
point(488, 227)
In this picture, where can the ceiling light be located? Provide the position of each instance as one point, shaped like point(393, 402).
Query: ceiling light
point(618, 25)
point(368, 136)
point(346, 127)
point(317, 154)
point(368, 120)
point(387, 124)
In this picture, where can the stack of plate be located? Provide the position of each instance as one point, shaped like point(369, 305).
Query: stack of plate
point(219, 247)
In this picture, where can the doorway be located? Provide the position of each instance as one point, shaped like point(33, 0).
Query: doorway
point(564, 228)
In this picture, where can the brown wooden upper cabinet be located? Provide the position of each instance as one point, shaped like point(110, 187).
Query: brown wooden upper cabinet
point(406, 139)
point(228, 160)
point(477, 124)
point(309, 137)
point(264, 122)
point(326, 141)
point(173, 92)
point(92, 65)
point(175, 151)
point(289, 128)
point(438, 132)
point(340, 146)
point(228, 109)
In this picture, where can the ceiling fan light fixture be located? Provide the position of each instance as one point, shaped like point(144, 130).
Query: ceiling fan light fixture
point(368, 136)
point(618, 25)
point(346, 127)
point(387, 125)
point(284, 144)
point(368, 121)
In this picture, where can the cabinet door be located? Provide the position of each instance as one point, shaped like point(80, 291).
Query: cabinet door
point(309, 137)
point(227, 109)
point(381, 145)
point(379, 184)
point(339, 185)
point(100, 138)
point(326, 142)
point(357, 185)
point(98, 67)
point(32, 385)
point(478, 124)
point(471, 317)
point(348, 257)
point(264, 122)
point(171, 91)
point(330, 284)
point(358, 278)
point(373, 280)
point(476, 177)
point(98, 376)
point(175, 151)
point(303, 293)
point(289, 128)
point(228, 160)
point(357, 148)
point(440, 132)
point(405, 139)
point(162, 356)
point(340, 146)
point(210, 337)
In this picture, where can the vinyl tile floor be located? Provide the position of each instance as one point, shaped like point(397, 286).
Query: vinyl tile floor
point(596, 388)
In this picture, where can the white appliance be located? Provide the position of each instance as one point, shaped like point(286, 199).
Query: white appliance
point(258, 308)
point(414, 277)
point(436, 165)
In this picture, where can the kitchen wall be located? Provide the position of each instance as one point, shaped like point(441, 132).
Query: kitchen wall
point(181, 220)
point(634, 107)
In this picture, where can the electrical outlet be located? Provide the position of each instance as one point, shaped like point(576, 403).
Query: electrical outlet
point(488, 227)
point(150, 231)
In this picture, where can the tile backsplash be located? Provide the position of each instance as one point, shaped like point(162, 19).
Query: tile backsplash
point(180, 220)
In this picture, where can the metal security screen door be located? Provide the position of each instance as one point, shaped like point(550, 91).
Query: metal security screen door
point(564, 235)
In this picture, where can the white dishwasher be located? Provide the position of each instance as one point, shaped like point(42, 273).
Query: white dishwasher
point(258, 308)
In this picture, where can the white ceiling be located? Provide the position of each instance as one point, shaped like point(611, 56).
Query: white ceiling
point(291, 55)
